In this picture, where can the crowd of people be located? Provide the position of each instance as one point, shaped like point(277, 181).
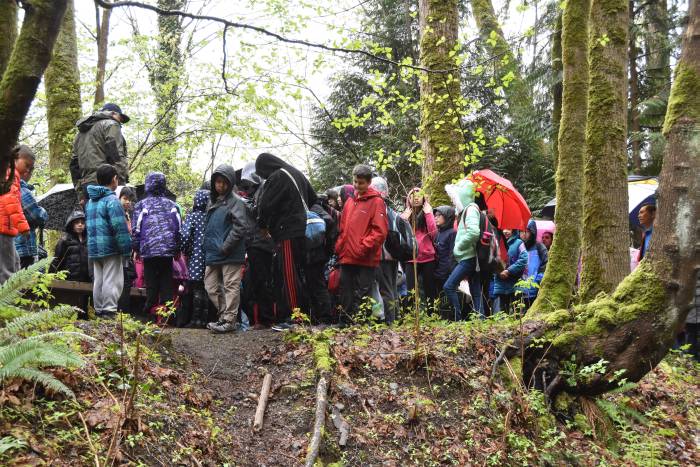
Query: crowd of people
point(262, 248)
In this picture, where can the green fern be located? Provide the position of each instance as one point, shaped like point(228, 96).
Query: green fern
point(45, 379)
point(22, 280)
point(29, 321)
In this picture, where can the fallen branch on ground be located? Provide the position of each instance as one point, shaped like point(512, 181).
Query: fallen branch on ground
point(262, 403)
point(320, 420)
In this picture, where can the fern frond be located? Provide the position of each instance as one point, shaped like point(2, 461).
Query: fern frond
point(24, 279)
point(32, 320)
point(32, 353)
point(59, 334)
point(45, 379)
point(623, 388)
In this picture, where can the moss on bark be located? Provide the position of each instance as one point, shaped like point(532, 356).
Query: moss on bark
point(685, 98)
point(440, 131)
point(557, 88)
point(8, 31)
point(63, 105)
point(558, 282)
point(605, 238)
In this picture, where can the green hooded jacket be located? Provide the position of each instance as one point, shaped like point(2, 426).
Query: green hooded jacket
point(468, 227)
point(99, 141)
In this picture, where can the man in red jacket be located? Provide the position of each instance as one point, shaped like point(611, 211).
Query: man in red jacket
point(363, 229)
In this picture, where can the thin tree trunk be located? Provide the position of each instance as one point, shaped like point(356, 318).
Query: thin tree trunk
point(557, 86)
point(440, 133)
point(102, 48)
point(605, 212)
point(30, 56)
point(560, 277)
point(63, 97)
point(635, 128)
point(8, 31)
point(633, 328)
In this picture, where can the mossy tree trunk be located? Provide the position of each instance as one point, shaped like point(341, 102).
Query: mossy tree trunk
point(30, 56)
point(63, 105)
point(165, 76)
point(102, 25)
point(8, 31)
point(559, 280)
point(440, 97)
point(557, 87)
point(633, 328)
point(605, 250)
point(635, 127)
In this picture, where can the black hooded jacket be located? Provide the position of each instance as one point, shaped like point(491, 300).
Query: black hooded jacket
point(445, 243)
point(280, 208)
point(71, 253)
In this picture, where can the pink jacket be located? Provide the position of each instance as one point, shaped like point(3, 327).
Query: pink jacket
point(425, 237)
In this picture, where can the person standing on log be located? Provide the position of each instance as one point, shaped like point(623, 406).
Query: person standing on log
point(99, 141)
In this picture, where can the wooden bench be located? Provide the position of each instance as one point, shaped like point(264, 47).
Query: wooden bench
point(75, 292)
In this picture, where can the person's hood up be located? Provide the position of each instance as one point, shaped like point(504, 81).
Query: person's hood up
point(370, 193)
point(380, 184)
point(227, 171)
point(248, 173)
point(201, 198)
point(514, 235)
point(532, 228)
point(86, 123)
point(95, 192)
point(155, 184)
point(266, 164)
point(448, 212)
point(347, 191)
point(465, 192)
point(75, 215)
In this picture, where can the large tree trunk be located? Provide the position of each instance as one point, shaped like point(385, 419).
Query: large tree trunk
point(559, 280)
point(440, 133)
point(635, 128)
point(605, 212)
point(30, 56)
point(63, 97)
point(166, 74)
point(633, 328)
point(8, 31)
point(102, 48)
point(557, 87)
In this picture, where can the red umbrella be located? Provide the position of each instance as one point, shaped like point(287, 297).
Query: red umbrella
point(502, 199)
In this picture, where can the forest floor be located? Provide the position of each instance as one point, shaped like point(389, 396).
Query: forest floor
point(188, 397)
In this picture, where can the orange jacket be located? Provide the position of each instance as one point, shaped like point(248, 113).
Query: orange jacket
point(12, 220)
point(363, 229)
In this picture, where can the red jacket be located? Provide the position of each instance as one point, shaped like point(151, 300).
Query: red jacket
point(12, 220)
point(363, 229)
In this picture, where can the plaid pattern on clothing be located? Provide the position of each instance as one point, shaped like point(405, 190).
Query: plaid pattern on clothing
point(106, 225)
point(36, 217)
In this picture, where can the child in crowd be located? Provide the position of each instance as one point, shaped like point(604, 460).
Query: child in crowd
point(420, 215)
point(71, 252)
point(224, 248)
point(12, 221)
point(444, 244)
point(363, 229)
point(536, 262)
point(127, 198)
point(155, 232)
point(108, 241)
point(193, 247)
point(36, 215)
point(504, 287)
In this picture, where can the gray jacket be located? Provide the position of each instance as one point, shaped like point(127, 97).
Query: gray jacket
point(99, 141)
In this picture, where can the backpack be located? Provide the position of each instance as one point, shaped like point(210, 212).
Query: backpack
point(487, 249)
point(400, 240)
point(315, 226)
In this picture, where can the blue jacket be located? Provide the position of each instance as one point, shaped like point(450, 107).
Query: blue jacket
point(36, 217)
point(107, 231)
point(156, 221)
point(193, 236)
point(517, 266)
point(536, 264)
point(227, 226)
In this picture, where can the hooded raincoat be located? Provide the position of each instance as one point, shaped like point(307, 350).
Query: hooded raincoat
point(155, 224)
point(468, 226)
point(517, 266)
point(72, 252)
point(363, 229)
point(445, 242)
point(12, 220)
point(193, 236)
point(107, 232)
point(537, 259)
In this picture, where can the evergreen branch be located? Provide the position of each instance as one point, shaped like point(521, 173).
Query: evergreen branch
point(266, 32)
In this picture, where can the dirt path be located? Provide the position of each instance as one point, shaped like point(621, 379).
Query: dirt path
point(232, 367)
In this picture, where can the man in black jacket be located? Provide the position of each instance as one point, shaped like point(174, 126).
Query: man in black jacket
point(282, 214)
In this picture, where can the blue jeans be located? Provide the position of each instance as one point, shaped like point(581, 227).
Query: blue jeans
point(464, 269)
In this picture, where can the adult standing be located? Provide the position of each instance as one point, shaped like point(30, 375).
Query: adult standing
point(99, 141)
point(36, 215)
point(646, 216)
point(12, 222)
point(282, 215)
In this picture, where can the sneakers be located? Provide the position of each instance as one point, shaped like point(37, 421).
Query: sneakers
point(280, 327)
point(222, 327)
